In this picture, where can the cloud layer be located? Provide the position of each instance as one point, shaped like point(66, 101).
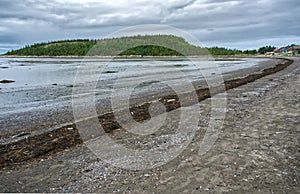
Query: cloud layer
point(231, 23)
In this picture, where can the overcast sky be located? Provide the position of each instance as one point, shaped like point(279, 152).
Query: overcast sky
point(242, 24)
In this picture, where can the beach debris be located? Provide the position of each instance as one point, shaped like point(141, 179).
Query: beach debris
point(5, 81)
point(88, 170)
point(110, 71)
point(171, 100)
point(21, 134)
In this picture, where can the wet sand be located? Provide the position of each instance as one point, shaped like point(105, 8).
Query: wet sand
point(40, 115)
point(30, 145)
point(256, 151)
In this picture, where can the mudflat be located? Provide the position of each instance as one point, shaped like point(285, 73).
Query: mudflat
point(257, 150)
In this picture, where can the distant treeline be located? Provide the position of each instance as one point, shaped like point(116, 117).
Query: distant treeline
point(149, 45)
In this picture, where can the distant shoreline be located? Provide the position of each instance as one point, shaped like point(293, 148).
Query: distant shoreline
point(139, 57)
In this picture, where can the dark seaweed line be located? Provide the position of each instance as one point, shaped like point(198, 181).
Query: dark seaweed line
point(30, 147)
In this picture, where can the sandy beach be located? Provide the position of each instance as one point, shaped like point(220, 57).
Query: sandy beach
point(257, 150)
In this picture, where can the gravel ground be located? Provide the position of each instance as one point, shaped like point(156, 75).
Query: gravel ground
point(257, 151)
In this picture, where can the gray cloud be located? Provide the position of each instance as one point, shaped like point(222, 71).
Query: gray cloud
point(231, 23)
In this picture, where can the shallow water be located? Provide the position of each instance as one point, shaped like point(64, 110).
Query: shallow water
point(42, 82)
point(41, 95)
point(32, 72)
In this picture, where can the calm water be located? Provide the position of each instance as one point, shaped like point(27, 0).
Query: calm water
point(31, 72)
point(41, 83)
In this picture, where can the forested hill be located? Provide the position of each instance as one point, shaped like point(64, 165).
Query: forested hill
point(118, 46)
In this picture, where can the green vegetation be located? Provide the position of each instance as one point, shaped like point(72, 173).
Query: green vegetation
point(150, 45)
point(58, 48)
point(250, 52)
point(150, 50)
point(266, 49)
point(223, 51)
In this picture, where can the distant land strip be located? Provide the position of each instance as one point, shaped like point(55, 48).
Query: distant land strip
point(147, 45)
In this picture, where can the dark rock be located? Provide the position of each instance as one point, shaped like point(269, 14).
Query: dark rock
point(6, 81)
